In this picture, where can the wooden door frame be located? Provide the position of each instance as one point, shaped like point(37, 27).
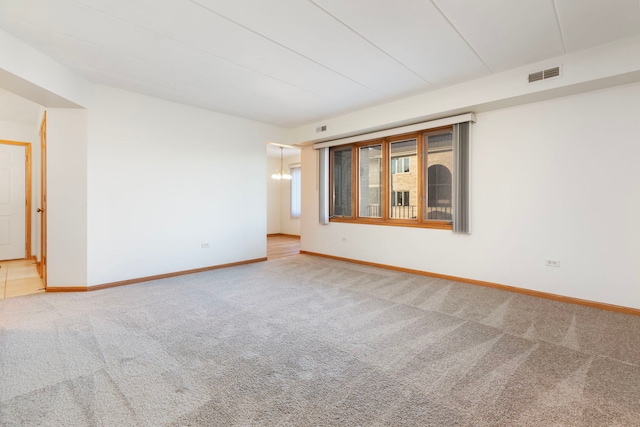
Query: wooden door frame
point(42, 263)
point(27, 213)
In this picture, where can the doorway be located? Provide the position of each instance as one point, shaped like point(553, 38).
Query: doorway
point(15, 200)
point(18, 273)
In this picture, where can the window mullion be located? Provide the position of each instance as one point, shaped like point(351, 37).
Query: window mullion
point(421, 177)
point(385, 179)
point(355, 184)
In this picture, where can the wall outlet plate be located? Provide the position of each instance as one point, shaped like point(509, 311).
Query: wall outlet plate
point(552, 262)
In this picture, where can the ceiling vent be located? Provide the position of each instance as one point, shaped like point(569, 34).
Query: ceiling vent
point(545, 74)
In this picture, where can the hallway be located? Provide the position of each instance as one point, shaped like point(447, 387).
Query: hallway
point(18, 278)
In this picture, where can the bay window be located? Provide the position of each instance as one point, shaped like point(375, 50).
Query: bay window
point(404, 180)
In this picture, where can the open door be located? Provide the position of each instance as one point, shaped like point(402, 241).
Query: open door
point(42, 210)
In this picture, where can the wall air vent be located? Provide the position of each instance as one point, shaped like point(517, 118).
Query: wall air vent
point(534, 77)
point(321, 128)
point(552, 72)
point(545, 74)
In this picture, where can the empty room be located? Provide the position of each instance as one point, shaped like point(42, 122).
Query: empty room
point(319, 213)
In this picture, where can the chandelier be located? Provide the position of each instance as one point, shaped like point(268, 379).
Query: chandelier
point(281, 173)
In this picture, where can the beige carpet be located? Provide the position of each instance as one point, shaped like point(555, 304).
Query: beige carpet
point(305, 341)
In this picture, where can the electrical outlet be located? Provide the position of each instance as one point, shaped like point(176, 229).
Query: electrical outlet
point(204, 245)
point(344, 240)
point(552, 262)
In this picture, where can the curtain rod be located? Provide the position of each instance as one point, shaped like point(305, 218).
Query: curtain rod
point(468, 117)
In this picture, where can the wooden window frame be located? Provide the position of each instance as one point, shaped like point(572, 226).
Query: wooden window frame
point(385, 205)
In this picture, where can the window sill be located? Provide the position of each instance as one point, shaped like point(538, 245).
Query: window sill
point(438, 225)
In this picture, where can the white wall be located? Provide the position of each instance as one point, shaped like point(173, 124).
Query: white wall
point(13, 131)
point(288, 225)
point(273, 197)
point(164, 178)
point(553, 179)
point(66, 197)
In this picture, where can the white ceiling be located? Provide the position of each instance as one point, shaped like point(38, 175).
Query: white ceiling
point(292, 62)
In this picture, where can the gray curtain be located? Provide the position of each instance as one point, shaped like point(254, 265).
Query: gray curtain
point(461, 178)
point(323, 175)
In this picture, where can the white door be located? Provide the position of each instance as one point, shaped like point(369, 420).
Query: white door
point(12, 202)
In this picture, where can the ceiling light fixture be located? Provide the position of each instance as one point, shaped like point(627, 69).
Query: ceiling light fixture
point(281, 173)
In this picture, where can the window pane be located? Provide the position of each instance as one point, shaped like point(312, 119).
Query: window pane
point(370, 180)
point(439, 166)
point(404, 183)
point(341, 191)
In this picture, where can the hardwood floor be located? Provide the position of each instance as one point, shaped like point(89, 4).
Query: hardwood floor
point(18, 278)
point(282, 245)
